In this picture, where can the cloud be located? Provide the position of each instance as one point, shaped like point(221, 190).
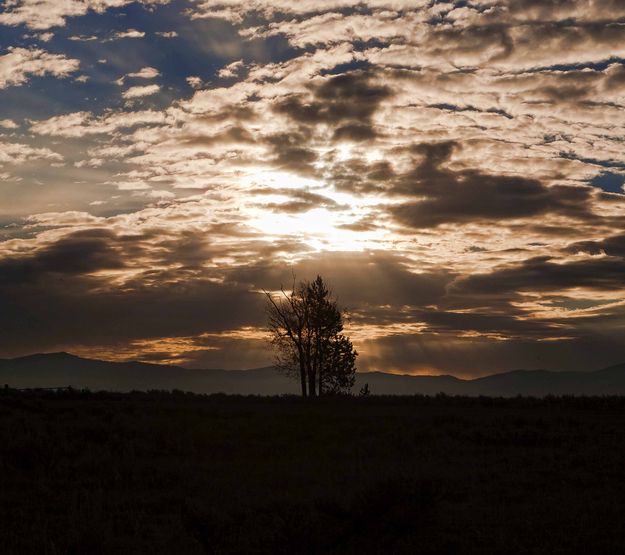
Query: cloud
point(194, 81)
point(17, 153)
point(19, 64)
point(76, 271)
point(80, 124)
point(44, 14)
point(296, 200)
point(129, 34)
point(83, 38)
point(345, 102)
point(546, 274)
point(140, 91)
point(363, 282)
point(231, 70)
point(610, 246)
point(8, 124)
point(78, 253)
point(143, 73)
point(446, 196)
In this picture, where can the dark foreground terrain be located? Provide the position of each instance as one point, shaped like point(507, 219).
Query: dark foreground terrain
point(174, 473)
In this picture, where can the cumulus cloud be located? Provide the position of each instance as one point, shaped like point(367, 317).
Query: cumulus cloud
point(129, 34)
point(79, 124)
point(143, 73)
point(194, 81)
point(44, 14)
point(17, 153)
point(140, 91)
point(19, 64)
point(83, 38)
point(8, 124)
point(231, 70)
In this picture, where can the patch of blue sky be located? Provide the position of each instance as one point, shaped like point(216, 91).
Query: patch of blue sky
point(354, 65)
point(15, 36)
point(594, 161)
point(601, 65)
point(200, 48)
point(609, 182)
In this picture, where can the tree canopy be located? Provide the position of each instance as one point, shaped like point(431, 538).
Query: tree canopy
point(306, 326)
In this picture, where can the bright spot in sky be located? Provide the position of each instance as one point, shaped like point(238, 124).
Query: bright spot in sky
point(318, 228)
point(344, 151)
point(279, 180)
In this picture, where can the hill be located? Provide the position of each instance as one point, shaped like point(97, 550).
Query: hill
point(64, 369)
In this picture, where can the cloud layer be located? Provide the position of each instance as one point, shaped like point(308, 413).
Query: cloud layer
point(454, 169)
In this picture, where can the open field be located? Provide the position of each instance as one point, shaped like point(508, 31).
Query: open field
point(175, 473)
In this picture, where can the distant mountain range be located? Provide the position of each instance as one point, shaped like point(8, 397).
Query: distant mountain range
point(64, 369)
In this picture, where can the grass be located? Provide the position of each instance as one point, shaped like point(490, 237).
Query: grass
point(170, 473)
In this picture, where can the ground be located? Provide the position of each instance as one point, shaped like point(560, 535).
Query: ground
point(174, 473)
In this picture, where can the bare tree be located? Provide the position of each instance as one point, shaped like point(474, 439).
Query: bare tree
point(288, 317)
point(306, 325)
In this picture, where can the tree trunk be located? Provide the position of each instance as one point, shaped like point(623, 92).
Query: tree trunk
point(320, 382)
point(304, 387)
point(312, 386)
point(302, 373)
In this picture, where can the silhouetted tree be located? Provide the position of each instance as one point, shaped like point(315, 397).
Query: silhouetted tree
point(337, 373)
point(288, 322)
point(306, 325)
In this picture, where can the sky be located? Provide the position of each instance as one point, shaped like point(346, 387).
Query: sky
point(453, 169)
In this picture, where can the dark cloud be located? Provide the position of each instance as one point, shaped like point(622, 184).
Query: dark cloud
point(372, 278)
point(80, 252)
point(493, 39)
point(300, 200)
point(611, 246)
point(359, 176)
point(89, 312)
point(54, 296)
point(616, 77)
point(355, 132)
point(543, 274)
point(291, 152)
point(455, 108)
point(466, 196)
point(542, 10)
point(488, 323)
point(346, 101)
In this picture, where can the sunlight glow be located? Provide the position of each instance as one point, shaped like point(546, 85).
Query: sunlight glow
point(279, 179)
point(318, 228)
